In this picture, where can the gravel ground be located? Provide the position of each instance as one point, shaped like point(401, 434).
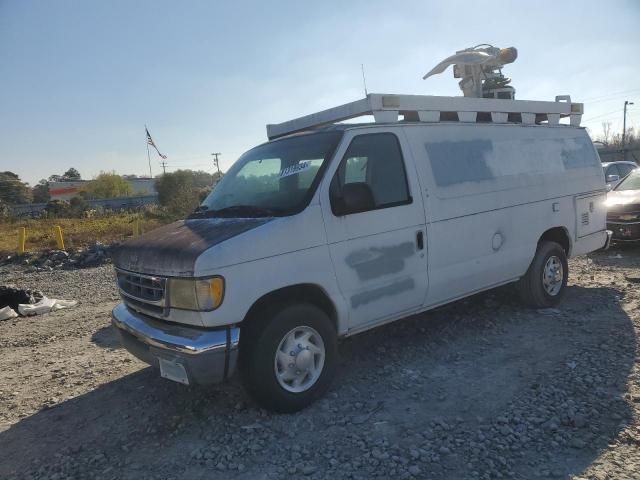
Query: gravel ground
point(480, 389)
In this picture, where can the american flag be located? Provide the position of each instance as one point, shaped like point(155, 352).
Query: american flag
point(150, 142)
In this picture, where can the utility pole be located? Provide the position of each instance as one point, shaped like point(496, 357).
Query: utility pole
point(215, 162)
point(164, 167)
point(624, 129)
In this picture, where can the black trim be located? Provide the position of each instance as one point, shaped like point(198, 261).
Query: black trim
point(227, 354)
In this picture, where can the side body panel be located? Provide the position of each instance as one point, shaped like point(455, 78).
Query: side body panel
point(490, 192)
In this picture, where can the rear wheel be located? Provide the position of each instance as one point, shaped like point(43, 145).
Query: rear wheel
point(545, 282)
point(289, 357)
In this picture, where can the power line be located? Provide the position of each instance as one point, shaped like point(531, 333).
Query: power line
point(610, 116)
point(622, 92)
point(617, 110)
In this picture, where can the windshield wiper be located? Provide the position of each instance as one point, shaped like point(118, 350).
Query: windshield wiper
point(247, 211)
point(199, 211)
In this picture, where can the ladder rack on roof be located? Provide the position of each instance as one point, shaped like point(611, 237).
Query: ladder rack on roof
point(427, 108)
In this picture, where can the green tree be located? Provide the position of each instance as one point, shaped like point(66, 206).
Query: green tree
point(108, 185)
point(71, 175)
point(13, 190)
point(183, 190)
point(41, 192)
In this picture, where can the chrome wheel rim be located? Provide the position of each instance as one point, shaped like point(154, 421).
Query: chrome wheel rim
point(553, 275)
point(299, 359)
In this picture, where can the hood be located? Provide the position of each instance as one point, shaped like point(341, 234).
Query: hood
point(172, 250)
point(623, 200)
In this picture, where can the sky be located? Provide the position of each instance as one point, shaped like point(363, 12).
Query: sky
point(79, 80)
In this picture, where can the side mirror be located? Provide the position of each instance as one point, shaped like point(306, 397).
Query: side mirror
point(612, 178)
point(356, 197)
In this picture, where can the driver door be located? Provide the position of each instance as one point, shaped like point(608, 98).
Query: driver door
point(379, 254)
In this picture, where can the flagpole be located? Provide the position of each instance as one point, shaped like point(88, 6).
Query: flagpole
point(148, 156)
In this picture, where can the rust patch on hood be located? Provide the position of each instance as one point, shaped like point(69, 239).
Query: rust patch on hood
point(172, 250)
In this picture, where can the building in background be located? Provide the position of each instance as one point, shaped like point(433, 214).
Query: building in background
point(65, 191)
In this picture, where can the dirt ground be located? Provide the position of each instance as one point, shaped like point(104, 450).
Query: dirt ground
point(483, 388)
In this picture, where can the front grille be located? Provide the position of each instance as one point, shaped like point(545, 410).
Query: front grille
point(144, 289)
point(622, 217)
point(612, 219)
point(143, 307)
point(626, 208)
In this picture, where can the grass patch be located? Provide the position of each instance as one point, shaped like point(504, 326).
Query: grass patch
point(77, 232)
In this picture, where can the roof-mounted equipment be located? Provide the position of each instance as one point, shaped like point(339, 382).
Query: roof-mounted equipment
point(488, 98)
point(480, 69)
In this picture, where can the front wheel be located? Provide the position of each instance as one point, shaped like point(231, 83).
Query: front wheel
point(290, 357)
point(545, 282)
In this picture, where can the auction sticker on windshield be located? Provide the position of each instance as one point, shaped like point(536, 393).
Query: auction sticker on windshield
point(294, 169)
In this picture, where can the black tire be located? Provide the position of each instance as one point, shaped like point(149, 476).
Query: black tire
point(531, 287)
point(259, 342)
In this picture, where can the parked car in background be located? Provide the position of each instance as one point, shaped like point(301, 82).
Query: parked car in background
point(614, 172)
point(623, 208)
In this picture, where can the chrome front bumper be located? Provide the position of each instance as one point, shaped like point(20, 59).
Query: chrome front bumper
point(208, 356)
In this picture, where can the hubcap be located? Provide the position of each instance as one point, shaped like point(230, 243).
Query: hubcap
point(552, 276)
point(299, 359)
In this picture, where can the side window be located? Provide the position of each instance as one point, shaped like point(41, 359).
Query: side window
point(624, 169)
point(612, 170)
point(371, 176)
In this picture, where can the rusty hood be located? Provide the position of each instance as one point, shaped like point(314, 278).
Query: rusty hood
point(172, 250)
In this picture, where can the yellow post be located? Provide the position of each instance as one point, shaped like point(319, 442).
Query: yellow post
point(57, 231)
point(22, 236)
point(136, 228)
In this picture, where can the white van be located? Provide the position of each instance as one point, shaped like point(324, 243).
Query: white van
point(329, 229)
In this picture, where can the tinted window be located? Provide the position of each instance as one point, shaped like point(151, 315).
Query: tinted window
point(624, 169)
point(374, 160)
point(612, 170)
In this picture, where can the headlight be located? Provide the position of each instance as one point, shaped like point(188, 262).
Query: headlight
point(196, 294)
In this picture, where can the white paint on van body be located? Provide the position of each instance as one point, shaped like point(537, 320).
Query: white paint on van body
point(481, 226)
point(378, 268)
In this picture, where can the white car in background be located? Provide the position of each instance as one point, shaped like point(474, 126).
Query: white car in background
point(614, 172)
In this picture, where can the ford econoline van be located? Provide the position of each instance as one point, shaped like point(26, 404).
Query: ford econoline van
point(330, 229)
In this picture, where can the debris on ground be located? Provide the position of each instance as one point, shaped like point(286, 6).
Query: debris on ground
point(45, 305)
point(92, 256)
point(6, 313)
point(12, 296)
point(28, 302)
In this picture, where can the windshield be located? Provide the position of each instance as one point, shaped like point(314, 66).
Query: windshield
point(276, 178)
point(631, 182)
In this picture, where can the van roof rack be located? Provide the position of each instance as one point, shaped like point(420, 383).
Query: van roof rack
point(387, 108)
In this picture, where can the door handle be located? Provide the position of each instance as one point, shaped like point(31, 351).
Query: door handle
point(420, 240)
